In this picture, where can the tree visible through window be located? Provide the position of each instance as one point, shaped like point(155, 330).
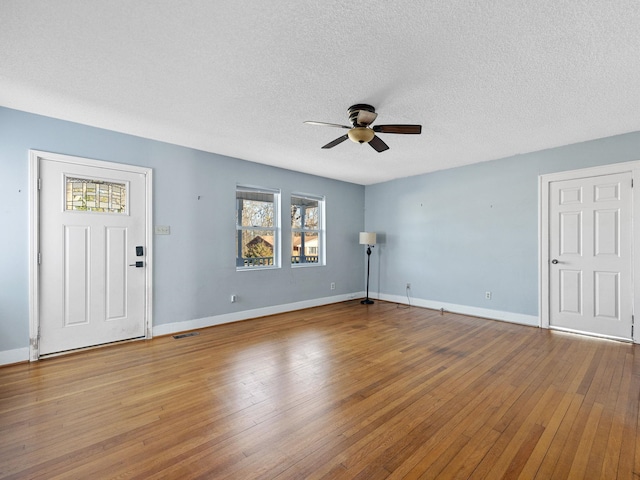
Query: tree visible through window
point(257, 227)
point(307, 229)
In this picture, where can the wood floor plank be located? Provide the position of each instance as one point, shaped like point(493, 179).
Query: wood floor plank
point(623, 440)
point(343, 391)
point(597, 457)
point(541, 450)
point(562, 434)
point(581, 457)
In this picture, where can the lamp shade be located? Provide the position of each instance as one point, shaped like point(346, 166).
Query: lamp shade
point(367, 238)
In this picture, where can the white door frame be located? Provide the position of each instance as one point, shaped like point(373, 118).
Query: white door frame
point(543, 241)
point(34, 237)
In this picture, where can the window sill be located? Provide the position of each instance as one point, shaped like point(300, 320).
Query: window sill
point(306, 265)
point(256, 269)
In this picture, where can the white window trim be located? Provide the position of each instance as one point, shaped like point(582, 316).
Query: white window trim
point(322, 205)
point(277, 230)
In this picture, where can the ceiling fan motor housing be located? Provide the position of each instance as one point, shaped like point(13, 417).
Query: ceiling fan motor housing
point(355, 109)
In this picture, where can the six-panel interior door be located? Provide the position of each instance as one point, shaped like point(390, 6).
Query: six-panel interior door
point(91, 220)
point(590, 229)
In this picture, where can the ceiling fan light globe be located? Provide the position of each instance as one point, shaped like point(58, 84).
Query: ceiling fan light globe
point(361, 134)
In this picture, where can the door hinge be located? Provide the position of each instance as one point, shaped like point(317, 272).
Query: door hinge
point(633, 321)
point(39, 183)
point(39, 258)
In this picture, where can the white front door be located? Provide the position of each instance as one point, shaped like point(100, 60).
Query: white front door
point(590, 255)
point(93, 254)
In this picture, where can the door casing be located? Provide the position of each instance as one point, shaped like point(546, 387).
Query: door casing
point(544, 239)
point(34, 237)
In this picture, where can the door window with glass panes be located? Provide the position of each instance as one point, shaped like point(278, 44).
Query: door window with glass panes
point(307, 230)
point(257, 228)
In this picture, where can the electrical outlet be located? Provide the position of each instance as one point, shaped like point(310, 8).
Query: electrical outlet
point(487, 295)
point(333, 285)
point(408, 286)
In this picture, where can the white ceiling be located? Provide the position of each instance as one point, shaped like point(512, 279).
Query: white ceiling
point(486, 79)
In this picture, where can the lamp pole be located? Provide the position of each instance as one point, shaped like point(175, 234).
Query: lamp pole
point(368, 301)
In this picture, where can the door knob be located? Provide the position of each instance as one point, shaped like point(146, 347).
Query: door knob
point(554, 261)
point(137, 264)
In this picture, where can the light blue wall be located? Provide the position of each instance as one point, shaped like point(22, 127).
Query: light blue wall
point(457, 233)
point(194, 267)
point(452, 234)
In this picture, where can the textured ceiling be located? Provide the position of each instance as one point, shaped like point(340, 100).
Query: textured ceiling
point(485, 79)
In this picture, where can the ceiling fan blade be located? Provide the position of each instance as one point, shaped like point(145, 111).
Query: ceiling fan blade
point(325, 124)
point(409, 129)
point(366, 118)
point(378, 145)
point(337, 141)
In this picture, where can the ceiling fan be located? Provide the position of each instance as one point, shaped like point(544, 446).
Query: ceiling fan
point(361, 117)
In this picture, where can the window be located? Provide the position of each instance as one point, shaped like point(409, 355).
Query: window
point(257, 228)
point(307, 229)
point(92, 195)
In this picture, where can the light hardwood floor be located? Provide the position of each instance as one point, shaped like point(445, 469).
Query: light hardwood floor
point(341, 391)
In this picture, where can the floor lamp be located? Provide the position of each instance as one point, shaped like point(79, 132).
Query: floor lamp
point(368, 239)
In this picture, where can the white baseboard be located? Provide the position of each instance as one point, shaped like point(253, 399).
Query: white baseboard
point(7, 357)
point(18, 355)
point(519, 318)
point(171, 328)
